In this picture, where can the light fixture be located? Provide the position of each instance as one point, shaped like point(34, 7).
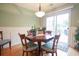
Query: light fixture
point(40, 13)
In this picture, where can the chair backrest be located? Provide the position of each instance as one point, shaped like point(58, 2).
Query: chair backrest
point(23, 40)
point(40, 32)
point(1, 35)
point(48, 32)
point(55, 41)
point(29, 33)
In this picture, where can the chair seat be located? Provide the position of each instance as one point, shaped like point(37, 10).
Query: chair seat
point(51, 47)
point(47, 47)
point(5, 41)
point(31, 43)
point(31, 47)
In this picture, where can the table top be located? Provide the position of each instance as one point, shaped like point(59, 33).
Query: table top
point(40, 37)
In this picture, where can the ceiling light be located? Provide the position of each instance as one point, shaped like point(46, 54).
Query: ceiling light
point(40, 13)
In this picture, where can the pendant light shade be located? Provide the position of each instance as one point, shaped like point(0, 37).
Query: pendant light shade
point(40, 13)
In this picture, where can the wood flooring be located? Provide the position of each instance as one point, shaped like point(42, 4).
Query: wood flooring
point(16, 50)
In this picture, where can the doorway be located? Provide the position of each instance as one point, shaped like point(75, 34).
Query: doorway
point(59, 24)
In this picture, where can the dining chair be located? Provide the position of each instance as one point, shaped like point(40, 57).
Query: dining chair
point(48, 32)
point(40, 32)
point(27, 46)
point(4, 41)
point(51, 47)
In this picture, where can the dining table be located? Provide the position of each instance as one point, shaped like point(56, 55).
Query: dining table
point(40, 38)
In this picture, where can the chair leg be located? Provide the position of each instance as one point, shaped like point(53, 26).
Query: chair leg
point(26, 53)
point(34, 52)
point(52, 54)
point(42, 52)
point(0, 50)
point(23, 53)
point(56, 53)
point(10, 44)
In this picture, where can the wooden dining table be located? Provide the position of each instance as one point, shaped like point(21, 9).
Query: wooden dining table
point(40, 38)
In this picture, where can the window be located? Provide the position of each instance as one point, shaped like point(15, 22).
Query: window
point(58, 22)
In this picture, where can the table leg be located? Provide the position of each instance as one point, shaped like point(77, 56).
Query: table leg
point(10, 44)
point(0, 50)
point(39, 44)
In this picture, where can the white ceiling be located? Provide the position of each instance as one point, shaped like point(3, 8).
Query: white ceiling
point(44, 6)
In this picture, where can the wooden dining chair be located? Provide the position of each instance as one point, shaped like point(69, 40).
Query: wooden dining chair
point(48, 32)
point(27, 47)
point(51, 48)
point(40, 32)
point(4, 41)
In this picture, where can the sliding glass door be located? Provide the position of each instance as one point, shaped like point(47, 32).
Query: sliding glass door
point(63, 23)
point(59, 23)
point(51, 24)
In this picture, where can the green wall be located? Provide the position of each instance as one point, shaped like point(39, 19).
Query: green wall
point(14, 16)
point(75, 15)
